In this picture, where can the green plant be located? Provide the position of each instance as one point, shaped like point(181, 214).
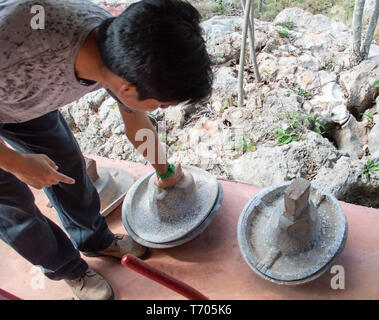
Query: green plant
point(298, 123)
point(370, 118)
point(328, 67)
point(283, 28)
point(283, 32)
point(297, 120)
point(369, 115)
point(220, 8)
point(289, 25)
point(316, 124)
point(285, 136)
point(243, 144)
point(370, 167)
point(377, 84)
point(225, 107)
point(301, 92)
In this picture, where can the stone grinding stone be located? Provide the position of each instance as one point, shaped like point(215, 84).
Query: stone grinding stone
point(194, 233)
point(260, 248)
point(185, 213)
point(112, 185)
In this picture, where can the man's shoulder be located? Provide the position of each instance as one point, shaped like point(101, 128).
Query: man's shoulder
point(54, 9)
point(48, 15)
point(30, 27)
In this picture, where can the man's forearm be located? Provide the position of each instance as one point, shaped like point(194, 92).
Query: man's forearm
point(8, 157)
point(144, 137)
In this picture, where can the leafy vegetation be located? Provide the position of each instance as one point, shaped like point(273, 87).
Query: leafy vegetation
point(242, 145)
point(370, 167)
point(284, 28)
point(283, 32)
point(225, 107)
point(316, 124)
point(220, 8)
point(301, 92)
point(369, 115)
point(298, 123)
point(285, 136)
point(289, 25)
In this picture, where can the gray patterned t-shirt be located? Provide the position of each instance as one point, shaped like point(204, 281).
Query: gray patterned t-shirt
point(37, 65)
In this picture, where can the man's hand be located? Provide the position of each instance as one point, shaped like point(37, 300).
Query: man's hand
point(138, 121)
point(38, 171)
point(172, 180)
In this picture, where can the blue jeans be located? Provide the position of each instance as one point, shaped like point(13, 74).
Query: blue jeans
point(25, 228)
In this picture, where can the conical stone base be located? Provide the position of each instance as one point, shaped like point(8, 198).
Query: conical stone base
point(159, 218)
point(273, 254)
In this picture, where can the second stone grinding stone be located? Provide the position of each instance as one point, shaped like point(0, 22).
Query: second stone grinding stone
point(165, 215)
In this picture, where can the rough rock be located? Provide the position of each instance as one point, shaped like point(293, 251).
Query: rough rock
point(223, 38)
point(111, 120)
point(351, 138)
point(175, 116)
point(373, 140)
point(330, 103)
point(345, 180)
point(324, 38)
point(270, 164)
point(359, 83)
point(225, 88)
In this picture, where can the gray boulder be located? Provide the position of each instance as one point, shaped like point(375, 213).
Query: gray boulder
point(223, 38)
point(359, 84)
point(351, 138)
point(272, 164)
point(225, 88)
point(325, 39)
point(346, 181)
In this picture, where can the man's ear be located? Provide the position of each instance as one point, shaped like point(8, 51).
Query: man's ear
point(127, 89)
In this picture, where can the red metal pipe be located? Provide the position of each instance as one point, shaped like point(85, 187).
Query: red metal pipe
point(168, 281)
point(5, 295)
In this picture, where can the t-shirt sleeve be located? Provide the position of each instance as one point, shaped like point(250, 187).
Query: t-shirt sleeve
point(120, 104)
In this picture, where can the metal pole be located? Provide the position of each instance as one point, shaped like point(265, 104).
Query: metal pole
point(152, 273)
point(247, 27)
point(241, 93)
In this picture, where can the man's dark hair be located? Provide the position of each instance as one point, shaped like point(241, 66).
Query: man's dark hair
point(157, 45)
